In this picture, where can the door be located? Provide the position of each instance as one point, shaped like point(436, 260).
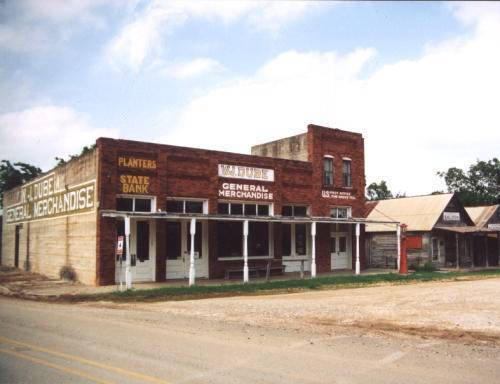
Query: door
point(16, 246)
point(339, 255)
point(178, 248)
point(142, 250)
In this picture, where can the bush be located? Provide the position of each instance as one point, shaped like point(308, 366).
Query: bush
point(68, 273)
point(427, 267)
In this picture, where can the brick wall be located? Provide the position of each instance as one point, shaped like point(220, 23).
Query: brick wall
point(189, 172)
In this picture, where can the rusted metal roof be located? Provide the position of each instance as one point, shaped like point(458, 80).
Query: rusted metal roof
point(481, 215)
point(420, 213)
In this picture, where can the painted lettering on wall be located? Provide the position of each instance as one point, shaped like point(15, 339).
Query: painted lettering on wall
point(245, 191)
point(248, 173)
point(135, 162)
point(134, 184)
point(342, 195)
point(41, 199)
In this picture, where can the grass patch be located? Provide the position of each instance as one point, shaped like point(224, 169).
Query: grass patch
point(277, 286)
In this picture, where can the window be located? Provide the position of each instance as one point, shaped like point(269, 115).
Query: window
point(229, 238)
point(134, 204)
point(249, 209)
point(294, 210)
point(258, 238)
point(328, 171)
point(142, 241)
point(347, 173)
point(341, 212)
point(300, 239)
point(173, 240)
point(185, 206)
point(293, 239)
point(286, 239)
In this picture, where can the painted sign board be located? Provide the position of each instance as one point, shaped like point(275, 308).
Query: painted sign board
point(46, 198)
point(342, 195)
point(245, 191)
point(247, 173)
point(451, 216)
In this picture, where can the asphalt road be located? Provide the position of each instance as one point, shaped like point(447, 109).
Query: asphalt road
point(100, 343)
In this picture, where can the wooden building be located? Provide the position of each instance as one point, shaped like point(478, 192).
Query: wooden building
point(184, 211)
point(486, 244)
point(440, 230)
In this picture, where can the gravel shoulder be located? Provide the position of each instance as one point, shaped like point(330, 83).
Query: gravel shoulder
point(463, 310)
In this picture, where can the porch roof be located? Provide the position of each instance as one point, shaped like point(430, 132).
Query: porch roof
point(277, 218)
point(468, 229)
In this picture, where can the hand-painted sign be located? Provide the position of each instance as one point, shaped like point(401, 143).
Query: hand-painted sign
point(248, 173)
point(451, 216)
point(134, 184)
point(342, 195)
point(42, 199)
point(245, 191)
point(136, 162)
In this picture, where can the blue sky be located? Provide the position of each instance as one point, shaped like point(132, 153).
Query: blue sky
point(415, 78)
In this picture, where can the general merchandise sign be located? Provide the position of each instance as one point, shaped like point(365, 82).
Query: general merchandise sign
point(44, 198)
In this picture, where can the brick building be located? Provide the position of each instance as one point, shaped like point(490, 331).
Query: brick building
point(299, 200)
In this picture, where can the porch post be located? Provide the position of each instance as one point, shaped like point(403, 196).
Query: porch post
point(192, 271)
point(358, 265)
point(128, 275)
point(245, 251)
point(486, 249)
point(313, 249)
point(458, 251)
point(398, 232)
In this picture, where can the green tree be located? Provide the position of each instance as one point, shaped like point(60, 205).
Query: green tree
point(479, 185)
point(12, 175)
point(378, 191)
point(85, 150)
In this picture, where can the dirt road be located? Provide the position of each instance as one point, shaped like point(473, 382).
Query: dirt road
point(314, 337)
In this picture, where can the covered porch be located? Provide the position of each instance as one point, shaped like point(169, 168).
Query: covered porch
point(471, 246)
point(209, 245)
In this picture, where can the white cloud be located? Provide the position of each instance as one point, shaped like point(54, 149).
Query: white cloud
point(417, 116)
point(37, 135)
point(140, 41)
point(191, 69)
point(31, 25)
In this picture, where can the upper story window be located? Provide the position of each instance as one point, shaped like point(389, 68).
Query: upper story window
point(249, 209)
point(328, 171)
point(340, 212)
point(346, 172)
point(294, 210)
point(186, 206)
point(134, 204)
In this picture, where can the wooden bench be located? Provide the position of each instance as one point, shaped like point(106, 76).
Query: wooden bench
point(229, 271)
point(256, 270)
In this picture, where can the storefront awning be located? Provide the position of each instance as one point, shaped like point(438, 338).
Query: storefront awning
point(277, 218)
